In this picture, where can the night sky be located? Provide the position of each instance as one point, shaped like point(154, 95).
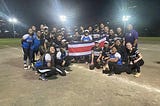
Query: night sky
point(83, 12)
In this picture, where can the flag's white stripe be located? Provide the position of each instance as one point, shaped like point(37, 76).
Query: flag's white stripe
point(80, 53)
point(84, 44)
point(102, 40)
point(80, 45)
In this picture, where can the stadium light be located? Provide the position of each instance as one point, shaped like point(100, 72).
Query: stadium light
point(13, 21)
point(63, 18)
point(125, 18)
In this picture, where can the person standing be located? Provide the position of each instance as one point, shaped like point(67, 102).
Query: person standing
point(27, 42)
point(35, 47)
point(111, 38)
point(131, 36)
point(86, 37)
point(120, 35)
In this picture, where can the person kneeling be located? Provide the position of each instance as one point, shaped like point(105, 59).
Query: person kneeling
point(46, 65)
point(115, 62)
point(135, 59)
point(62, 58)
point(96, 56)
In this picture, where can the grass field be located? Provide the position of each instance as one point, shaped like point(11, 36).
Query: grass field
point(5, 42)
point(150, 40)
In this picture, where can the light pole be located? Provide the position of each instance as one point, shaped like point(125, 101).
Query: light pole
point(13, 21)
point(125, 18)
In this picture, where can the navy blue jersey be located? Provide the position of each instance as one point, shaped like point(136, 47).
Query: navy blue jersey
point(106, 51)
point(111, 39)
point(96, 51)
point(131, 36)
point(133, 55)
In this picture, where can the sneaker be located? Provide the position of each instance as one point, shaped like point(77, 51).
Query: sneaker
point(32, 65)
point(137, 75)
point(29, 67)
point(42, 78)
point(86, 63)
point(66, 72)
point(25, 66)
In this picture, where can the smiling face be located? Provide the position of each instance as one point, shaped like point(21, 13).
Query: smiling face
point(106, 45)
point(130, 27)
point(54, 29)
point(96, 44)
point(101, 25)
point(33, 28)
point(59, 37)
point(76, 34)
point(111, 32)
point(30, 31)
point(119, 30)
point(39, 34)
point(118, 42)
point(42, 27)
point(129, 46)
point(113, 50)
point(90, 28)
point(52, 49)
point(106, 29)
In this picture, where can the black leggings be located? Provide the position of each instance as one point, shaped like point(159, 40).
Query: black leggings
point(137, 65)
point(117, 69)
point(26, 55)
point(47, 72)
point(32, 55)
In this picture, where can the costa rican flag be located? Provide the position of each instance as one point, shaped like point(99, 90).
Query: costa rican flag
point(83, 48)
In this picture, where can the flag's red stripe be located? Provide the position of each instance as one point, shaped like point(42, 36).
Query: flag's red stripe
point(101, 44)
point(80, 49)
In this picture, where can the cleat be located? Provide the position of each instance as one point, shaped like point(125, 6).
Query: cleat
point(25, 66)
point(137, 75)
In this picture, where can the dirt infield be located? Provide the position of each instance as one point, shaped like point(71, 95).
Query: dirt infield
point(81, 87)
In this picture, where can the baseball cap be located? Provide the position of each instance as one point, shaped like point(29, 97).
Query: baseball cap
point(96, 41)
point(86, 31)
point(106, 42)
